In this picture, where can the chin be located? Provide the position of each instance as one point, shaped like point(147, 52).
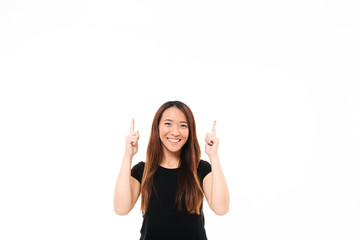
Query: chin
point(173, 150)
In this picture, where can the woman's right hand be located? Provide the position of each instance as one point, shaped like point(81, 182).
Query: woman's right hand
point(131, 142)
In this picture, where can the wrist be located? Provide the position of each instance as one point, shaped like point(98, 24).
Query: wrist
point(214, 157)
point(128, 156)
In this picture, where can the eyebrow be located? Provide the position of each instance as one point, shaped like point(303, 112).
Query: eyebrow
point(172, 121)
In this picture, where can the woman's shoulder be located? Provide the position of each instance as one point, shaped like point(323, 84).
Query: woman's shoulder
point(204, 168)
point(141, 163)
point(137, 170)
point(139, 166)
point(203, 164)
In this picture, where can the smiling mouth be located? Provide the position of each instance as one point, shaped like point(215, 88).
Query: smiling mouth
point(173, 140)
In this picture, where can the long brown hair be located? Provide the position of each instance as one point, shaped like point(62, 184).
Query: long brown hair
point(189, 187)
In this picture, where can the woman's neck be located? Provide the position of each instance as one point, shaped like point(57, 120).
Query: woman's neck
point(170, 159)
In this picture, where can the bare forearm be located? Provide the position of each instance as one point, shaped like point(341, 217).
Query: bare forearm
point(122, 195)
point(220, 196)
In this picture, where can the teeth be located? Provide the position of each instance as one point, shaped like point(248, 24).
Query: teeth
point(173, 140)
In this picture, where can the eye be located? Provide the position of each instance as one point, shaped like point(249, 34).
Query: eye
point(183, 125)
point(167, 123)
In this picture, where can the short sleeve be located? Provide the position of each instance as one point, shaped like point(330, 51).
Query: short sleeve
point(204, 169)
point(137, 171)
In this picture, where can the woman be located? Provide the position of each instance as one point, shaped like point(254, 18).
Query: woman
point(173, 179)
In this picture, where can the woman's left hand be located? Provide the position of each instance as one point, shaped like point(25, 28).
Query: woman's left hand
point(212, 142)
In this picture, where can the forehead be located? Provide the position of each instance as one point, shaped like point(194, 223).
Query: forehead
point(173, 113)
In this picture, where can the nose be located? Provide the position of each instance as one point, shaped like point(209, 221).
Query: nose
point(175, 130)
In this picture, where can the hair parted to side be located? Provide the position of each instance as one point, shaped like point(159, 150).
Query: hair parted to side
point(188, 183)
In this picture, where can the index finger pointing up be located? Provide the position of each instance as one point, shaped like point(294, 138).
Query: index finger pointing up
point(132, 125)
point(214, 128)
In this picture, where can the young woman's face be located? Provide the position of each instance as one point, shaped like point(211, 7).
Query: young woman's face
point(173, 129)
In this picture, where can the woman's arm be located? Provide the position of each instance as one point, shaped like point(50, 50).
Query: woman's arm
point(216, 189)
point(127, 188)
point(214, 184)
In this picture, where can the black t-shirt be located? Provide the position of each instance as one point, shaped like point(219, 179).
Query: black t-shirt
point(162, 220)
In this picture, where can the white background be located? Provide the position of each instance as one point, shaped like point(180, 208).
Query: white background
point(280, 77)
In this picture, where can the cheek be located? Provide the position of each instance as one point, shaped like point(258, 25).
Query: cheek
point(186, 134)
point(162, 131)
